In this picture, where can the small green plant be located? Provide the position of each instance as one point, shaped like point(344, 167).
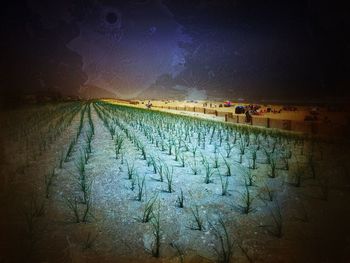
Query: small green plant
point(267, 193)
point(169, 177)
point(177, 152)
point(73, 206)
point(88, 140)
point(224, 250)
point(276, 229)
point(70, 150)
point(147, 213)
point(80, 165)
point(140, 187)
point(253, 160)
point(249, 176)
point(198, 223)
point(89, 241)
point(182, 159)
point(179, 251)
point(228, 149)
point(87, 210)
point(224, 185)
point(169, 147)
point(132, 183)
point(242, 147)
point(112, 130)
point(153, 162)
point(160, 171)
point(209, 172)
point(180, 199)
point(194, 150)
point(245, 205)
point(272, 165)
point(61, 160)
point(86, 155)
point(228, 167)
point(194, 167)
point(155, 221)
point(85, 187)
point(267, 155)
point(143, 152)
point(130, 169)
point(216, 161)
point(118, 144)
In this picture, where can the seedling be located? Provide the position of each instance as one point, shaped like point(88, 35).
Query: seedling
point(228, 167)
point(246, 201)
point(249, 177)
point(198, 223)
point(130, 170)
point(73, 205)
point(148, 209)
point(209, 172)
point(276, 229)
point(70, 150)
point(182, 159)
point(140, 186)
point(89, 242)
point(216, 161)
point(228, 149)
point(267, 193)
point(169, 177)
point(224, 250)
point(224, 185)
point(194, 167)
point(155, 221)
point(272, 165)
point(180, 199)
point(160, 171)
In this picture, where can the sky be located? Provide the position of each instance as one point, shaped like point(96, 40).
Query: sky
point(255, 50)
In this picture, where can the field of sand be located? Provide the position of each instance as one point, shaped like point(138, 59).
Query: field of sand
point(280, 198)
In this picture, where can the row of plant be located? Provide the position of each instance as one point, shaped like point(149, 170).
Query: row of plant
point(189, 140)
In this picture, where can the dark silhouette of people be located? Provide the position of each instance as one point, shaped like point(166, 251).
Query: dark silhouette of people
point(248, 117)
point(149, 104)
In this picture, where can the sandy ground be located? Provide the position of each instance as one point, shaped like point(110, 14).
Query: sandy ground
point(314, 229)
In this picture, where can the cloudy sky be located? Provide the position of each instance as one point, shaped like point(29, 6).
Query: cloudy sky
point(280, 50)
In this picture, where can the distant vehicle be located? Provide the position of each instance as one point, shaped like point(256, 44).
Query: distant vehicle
point(239, 110)
point(227, 104)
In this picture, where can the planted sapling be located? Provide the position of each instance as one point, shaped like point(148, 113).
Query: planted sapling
point(130, 169)
point(169, 177)
point(147, 213)
point(198, 223)
point(140, 187)
point(180, 199)
point(224, 185)
point(209, 172)
point(194, 167)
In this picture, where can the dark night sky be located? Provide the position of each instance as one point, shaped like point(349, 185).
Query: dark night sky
point(277, 50)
